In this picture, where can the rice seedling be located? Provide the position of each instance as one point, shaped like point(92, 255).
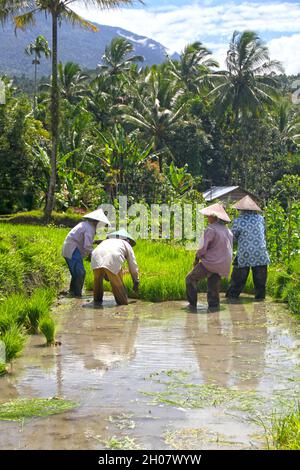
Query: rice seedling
point(284, 432)
point(12, 310)
point(14, 341)
point(19, 409)
point(47, 328)
point(38, 307)
point(124, 443)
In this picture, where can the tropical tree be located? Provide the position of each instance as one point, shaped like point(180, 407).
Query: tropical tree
point(37, 48)
point(72, 82)
point(156, 111)
point(118, 57)
point(24, 14)
point(285, 118)
point(245, 90)
point(193, 67)
point(248, 84)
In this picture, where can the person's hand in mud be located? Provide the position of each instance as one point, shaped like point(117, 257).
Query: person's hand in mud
point(136, 285)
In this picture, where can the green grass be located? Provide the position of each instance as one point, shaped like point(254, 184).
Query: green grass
point(38, 307)
point(47, 327)
point(14, 341)
point(36, 217)
point(32, 270)
point(33, 407)
point(163, 268)
point(284, 284)
point(284, 433)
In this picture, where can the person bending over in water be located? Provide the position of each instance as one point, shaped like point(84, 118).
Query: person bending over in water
point(79, 244)
point(107, 260)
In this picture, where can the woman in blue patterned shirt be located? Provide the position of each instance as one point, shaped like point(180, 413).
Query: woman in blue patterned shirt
point(249, 233)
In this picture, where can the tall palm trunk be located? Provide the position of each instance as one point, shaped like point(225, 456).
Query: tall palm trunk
point(54, 120)
point(35, 80)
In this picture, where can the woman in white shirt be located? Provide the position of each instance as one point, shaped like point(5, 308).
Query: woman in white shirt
point(107, 261)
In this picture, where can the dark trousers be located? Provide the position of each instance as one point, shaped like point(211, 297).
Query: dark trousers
point(76, 268)
point(213, 286)
point(239, 278)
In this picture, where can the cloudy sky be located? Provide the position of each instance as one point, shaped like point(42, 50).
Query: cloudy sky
point(175, 23)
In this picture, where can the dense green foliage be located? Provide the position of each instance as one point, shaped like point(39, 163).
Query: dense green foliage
point(121, 127)
point(30, 275)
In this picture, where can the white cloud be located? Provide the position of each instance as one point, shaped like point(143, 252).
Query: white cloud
point(175, 27)
point(287, 49)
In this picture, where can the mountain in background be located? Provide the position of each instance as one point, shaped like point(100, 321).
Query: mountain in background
point(75, 44)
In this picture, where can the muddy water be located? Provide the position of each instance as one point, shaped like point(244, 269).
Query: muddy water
point(155, 376)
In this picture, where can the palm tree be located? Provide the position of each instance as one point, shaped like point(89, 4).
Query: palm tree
point(156, 111)
point(23, 13)
point(71, 82)
point(287, 121)
point(193, 66)
point(246, 89)
point(37, 48)
point(117, 58)
point(249, 83)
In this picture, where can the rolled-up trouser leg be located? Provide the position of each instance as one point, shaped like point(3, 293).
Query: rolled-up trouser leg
point(213, 290)
point(237, 282)
point(199, 272)
point(98, 284)
point(118, 288)
point(260, 274)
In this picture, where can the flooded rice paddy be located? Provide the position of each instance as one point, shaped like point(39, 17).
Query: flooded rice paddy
point(154, 376)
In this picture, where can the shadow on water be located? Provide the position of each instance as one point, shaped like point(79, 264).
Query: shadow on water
point(122, 363)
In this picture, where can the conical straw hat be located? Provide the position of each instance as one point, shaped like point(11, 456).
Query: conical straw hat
point(216, 210)
point(247, 204)
point(99, 216)
point(123, 234)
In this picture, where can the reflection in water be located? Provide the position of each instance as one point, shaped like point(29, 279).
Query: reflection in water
point(230, 345)
point(115, 344)
point(249, 335)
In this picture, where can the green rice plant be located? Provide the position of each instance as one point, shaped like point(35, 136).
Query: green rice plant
point(163, 267)
point(124, 443)
point(12, 311)
point(293, 297)
point(31, 407)
point(2, 368)
point(38, 307)
point(14, 341)
point(284, 433)
point(47, 328)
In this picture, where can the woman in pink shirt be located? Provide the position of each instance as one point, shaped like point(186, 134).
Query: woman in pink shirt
point(213, 259)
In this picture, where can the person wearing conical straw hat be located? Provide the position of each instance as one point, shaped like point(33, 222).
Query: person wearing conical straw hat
point(79, 244)
point(213, 259)
point(107, 261)
point(249, 233)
